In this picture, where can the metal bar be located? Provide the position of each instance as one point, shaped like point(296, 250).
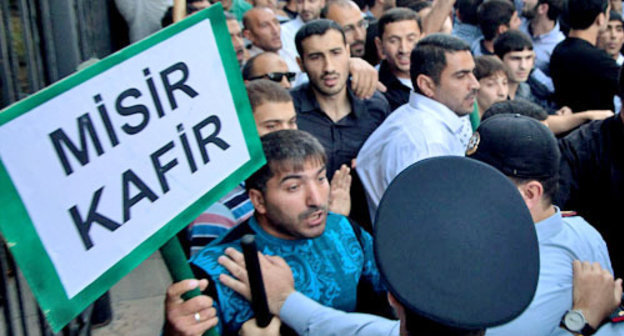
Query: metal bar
point(4, 285)
point(9, 92)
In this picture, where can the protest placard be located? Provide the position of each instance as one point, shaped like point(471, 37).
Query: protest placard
point(102, 168)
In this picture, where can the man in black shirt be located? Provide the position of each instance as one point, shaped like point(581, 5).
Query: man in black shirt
point(326, 107)
point(592, 178)
point(584, 76)
point(399, 31)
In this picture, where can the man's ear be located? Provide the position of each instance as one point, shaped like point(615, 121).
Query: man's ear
point(501, 29)
point(426, 85)
point(257, 199)
point(543, 8)
point(601, 19)
point(247, 35)
point(532, 192)
point(300, 63)
point(379, 46)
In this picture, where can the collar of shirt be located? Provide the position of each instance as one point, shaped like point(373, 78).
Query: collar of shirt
point(310, 104)
point(554, 35)
point(387, 77)
point(620, 59)
point(450, 119)
point(550, 226)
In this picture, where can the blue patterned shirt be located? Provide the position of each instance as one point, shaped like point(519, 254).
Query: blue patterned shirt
point(326, 269)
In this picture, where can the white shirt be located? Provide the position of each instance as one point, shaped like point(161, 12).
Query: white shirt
point(420, 129)
point(289, 30)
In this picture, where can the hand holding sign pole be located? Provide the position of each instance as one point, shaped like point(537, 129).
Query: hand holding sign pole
point(256, 284)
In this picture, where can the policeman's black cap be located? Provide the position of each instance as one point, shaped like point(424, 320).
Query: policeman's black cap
point(455, 243)
point(516, 145)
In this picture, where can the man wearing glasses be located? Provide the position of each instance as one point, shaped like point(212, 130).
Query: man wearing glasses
point(348, 15)
point(271, 66)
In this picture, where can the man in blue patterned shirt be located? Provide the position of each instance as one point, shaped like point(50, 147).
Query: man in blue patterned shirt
point(329, 255)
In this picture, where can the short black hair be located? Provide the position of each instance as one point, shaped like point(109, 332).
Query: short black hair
point(615, 16)
point(316, 27)
point(492, 14)
point(263, 91)
point(522, 107)
point(511, 40)
point(555, 8)
point(581, 14)
point(488, 65)
point(285, 150)
point(429, 56)
point(467, 10)
point(396, 15)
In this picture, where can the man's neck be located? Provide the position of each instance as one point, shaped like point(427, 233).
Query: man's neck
point(541, 25)
point(263, 222)
point(513, 88)
point(590, 35)
point(489, 45)
point(336, 106)
point(542, 214)
point(399, 74)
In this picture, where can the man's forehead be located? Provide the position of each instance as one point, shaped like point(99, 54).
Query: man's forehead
point(398, 27)
point(459, 61)
point(284, 168)
point(330, 40)
point(523, 52)
point(615, 23)
point(344, 15)
point(262, 15)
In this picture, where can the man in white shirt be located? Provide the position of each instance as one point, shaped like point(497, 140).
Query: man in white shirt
point(433, 123)
point(308, 10)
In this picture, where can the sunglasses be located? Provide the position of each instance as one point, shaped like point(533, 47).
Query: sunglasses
point(276, 76)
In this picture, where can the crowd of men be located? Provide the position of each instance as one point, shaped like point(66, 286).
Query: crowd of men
point(379, 117)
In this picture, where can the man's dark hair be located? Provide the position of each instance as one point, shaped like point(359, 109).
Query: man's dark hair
point(396, 15)
point(247, 71)
point(615, 16)
point(316, 27)
point(263, 91)
point(522, 107)
point(419, 325)
point(486, 66)
point(467, 10)
point(285, 150)
point(555, 8)
point(417, 6)
point(511, 40)
point(581, 14)
point(429, 56)
point(492, 14)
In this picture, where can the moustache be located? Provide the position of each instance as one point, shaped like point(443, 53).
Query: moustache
point(312, 210)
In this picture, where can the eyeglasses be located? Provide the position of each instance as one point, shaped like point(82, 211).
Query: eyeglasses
point(348, 29)
point(276, 76)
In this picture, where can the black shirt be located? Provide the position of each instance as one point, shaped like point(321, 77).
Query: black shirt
point(584, 76)
point(343, 139)
point(397, 93)
point(592, 180)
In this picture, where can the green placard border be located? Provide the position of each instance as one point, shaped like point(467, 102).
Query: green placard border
point(18, 229)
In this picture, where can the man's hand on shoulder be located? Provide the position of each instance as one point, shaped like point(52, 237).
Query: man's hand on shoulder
point(276, 275)
point(364, 78)
point(596, 293)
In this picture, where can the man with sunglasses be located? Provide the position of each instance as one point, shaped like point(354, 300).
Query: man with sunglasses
point(348, 15)
point(271, 66)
